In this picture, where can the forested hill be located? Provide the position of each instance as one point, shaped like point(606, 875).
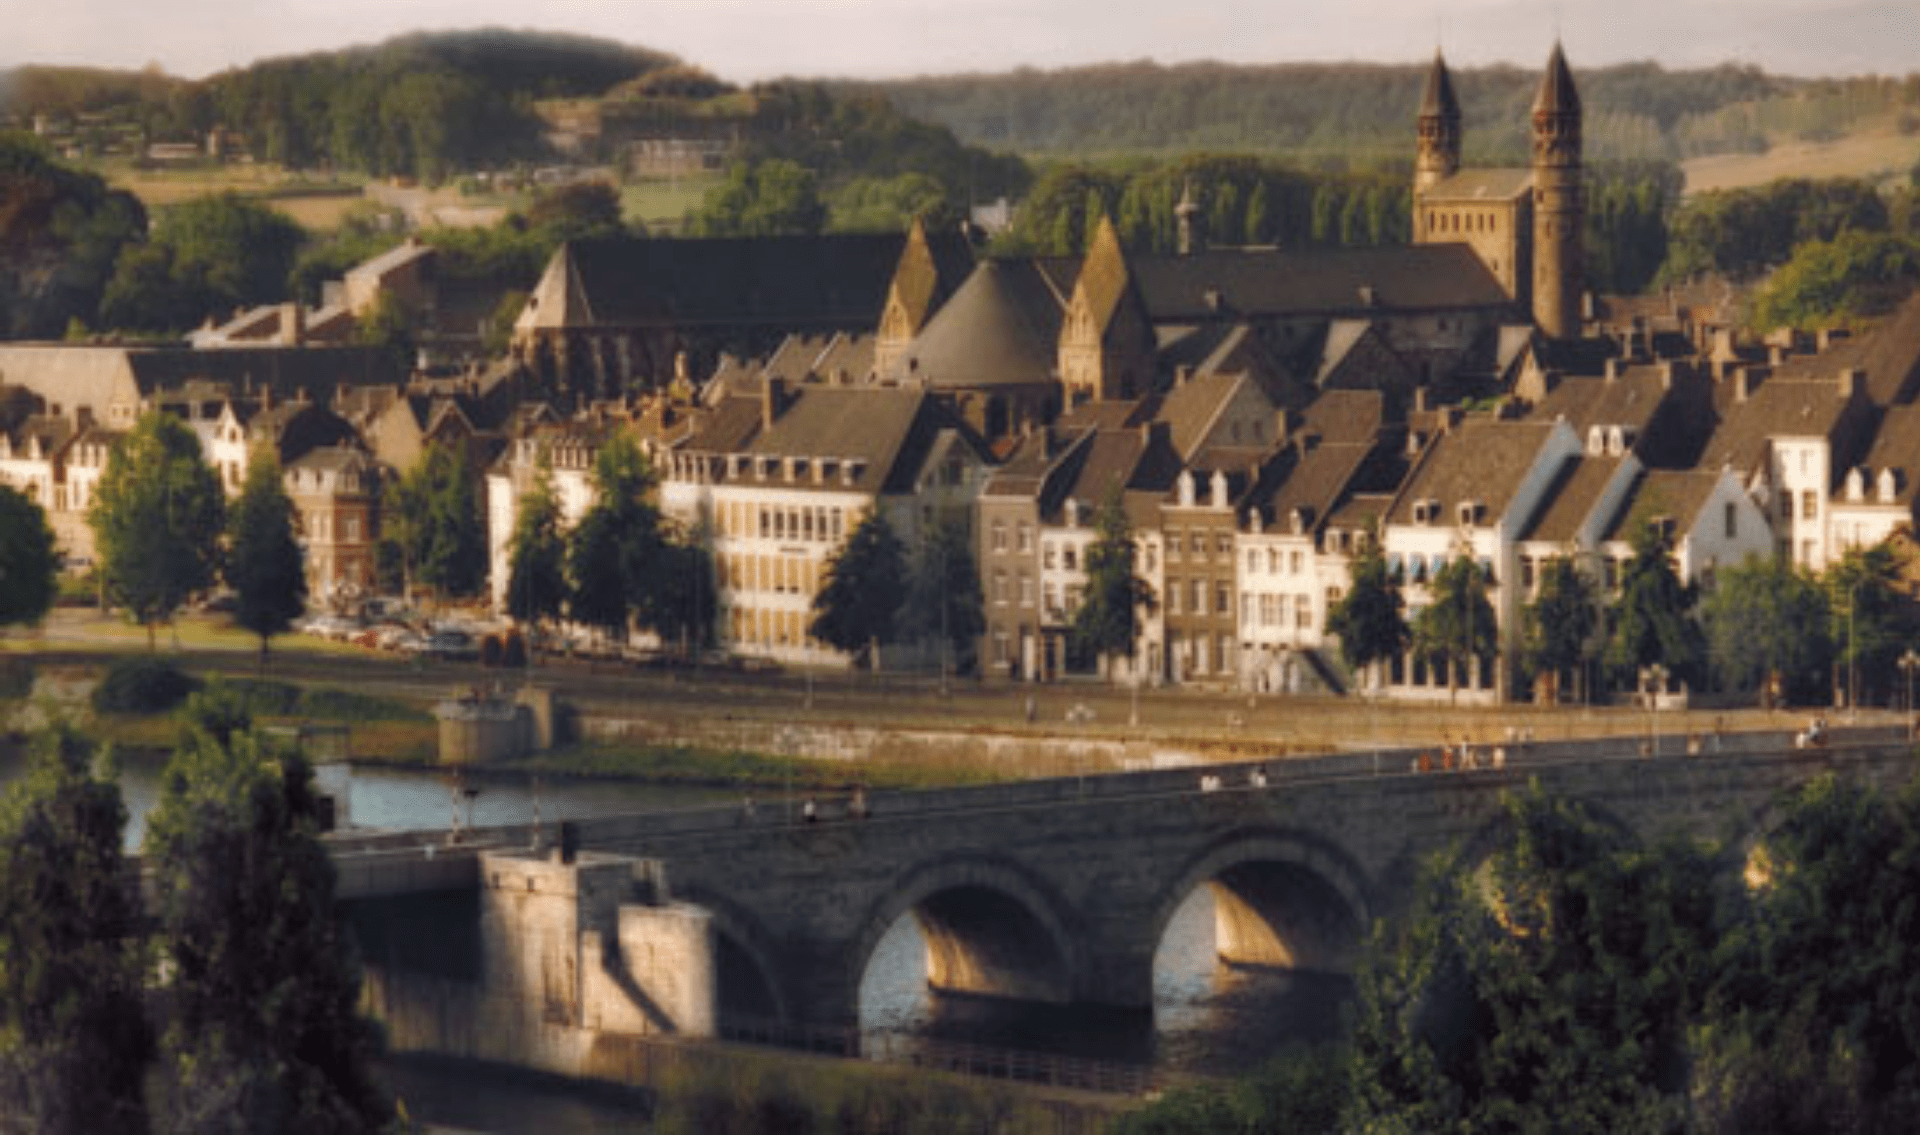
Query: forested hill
point(422, 104)
point(1364, 113)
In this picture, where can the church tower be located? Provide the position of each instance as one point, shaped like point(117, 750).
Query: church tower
point(1439, 157)
point(1559, 210)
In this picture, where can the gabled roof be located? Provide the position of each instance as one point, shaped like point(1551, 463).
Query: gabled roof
point(406, 252)
point(1895, 447)
point(1888, 354)
point(1629, 398)
point(884, 430)
point(1481, 185)
point(1192, 407)
point(1480, 460)
point(1676, 493)
point(1357, 282)
point(1779, 408)
point(1353, 416)
point(803, 281)
point(1572, 497)
point(1312, 480)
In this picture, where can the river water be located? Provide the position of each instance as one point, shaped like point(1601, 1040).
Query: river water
point(1206, 1017)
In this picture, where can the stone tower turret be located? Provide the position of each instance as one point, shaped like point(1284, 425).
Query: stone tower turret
point(1439, 156)
point(1187, 214)
point(1559, 208)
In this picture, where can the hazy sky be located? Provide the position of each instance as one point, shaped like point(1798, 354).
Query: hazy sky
point(743, 40)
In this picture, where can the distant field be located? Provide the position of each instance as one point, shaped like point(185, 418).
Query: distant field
point(662, 205)
point(318, 206)
point(1877, 155)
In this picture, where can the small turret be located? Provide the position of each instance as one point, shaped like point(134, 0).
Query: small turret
point(1559, 210)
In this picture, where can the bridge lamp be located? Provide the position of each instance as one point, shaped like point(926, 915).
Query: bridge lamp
point(1656, 681)
point(1909, 662)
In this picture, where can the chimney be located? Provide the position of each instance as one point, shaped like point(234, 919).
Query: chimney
point(773, 401)
point(1742, 385)
point(1853, 382)
point(1218, 489)
point(293, 323)
point(1613, 369)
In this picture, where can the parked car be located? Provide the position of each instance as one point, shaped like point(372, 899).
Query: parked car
point(452, 646)
point(339, 628)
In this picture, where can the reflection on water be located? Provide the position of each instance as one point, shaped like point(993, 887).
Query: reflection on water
point(1207, 1016)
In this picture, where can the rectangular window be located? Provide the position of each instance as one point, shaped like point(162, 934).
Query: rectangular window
point(1302, 612)
point(1175, 589)
point(1253, 562)
point(1000, 586)
point(1047, 555)
point(1026, 538)
point(1026, 590)
point(1069, 557)
point(1199, 596)
point(999, 535)
point(1223, 545)
point(1732, 521)
point(1176, 542)
point(1809, 504)
point(1222, 599)
point(1296, 561)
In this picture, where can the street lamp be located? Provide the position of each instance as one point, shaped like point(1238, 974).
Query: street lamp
point(1656, 681)
point(1909, 662)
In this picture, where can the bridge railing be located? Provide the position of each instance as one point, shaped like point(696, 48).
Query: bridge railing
point(983, 1061)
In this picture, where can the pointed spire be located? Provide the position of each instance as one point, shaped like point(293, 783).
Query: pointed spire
point(1557, 94)
point(1439, 100)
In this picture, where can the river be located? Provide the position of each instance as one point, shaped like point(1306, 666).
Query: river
point(1206, 1017)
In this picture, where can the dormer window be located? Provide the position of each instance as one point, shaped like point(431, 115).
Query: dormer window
point(1856, 484)
point(1596, 441)
point(1886, 485)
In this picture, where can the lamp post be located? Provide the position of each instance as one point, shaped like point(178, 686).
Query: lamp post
point(1909, 662)
point(1656, 681)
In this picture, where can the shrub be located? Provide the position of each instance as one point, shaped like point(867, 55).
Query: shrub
point(262, 698)
point(330, 704)
point(16, 677)
point(143, 685)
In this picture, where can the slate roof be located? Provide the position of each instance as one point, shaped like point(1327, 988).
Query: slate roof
point(1191, 408)
point(1346, 416)
point(1001, 327)
point(884, 429)
point(1571, 499)
point(1438, 100)
point(1779, 408)
point(804, 281)
point(1481, 185)
point(1896, 446)
point(1313, 479)
point(1255, 283)
point(1677, 493)
point(1557, 94)
point(1631, 398)
point(1887, 353)
point(1480, 460)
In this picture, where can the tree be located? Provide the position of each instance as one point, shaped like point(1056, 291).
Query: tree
point(537, 554)
point(682, 599)
point(73, 1036)
point(389, 326)
point(266, 566)
point(775, 197)
point(28, 559)
point(265, 1033)
point(60, 232)
point(1560, 623)
point(857, 608)
point(1871, 621)
point(576, 211)
point(613, 552)
point(1552, 988)
point(1107, 623)
point(157, 517)
point(1457, 627)
point(1653, 620)
point(1368, 620)
point(207, 255)
point(944, 600)
point(1845, 281)
point(1766, 628)
point(434, 517)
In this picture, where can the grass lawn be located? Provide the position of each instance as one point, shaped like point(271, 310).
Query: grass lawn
point(1876, 154)
point(662, 205)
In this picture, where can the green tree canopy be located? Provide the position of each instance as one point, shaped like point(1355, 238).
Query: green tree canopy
point(576, 211)
point(206, 256)
point(1763, 619)
point(775, 197)
point(1871, 619)
point(28, 559)
point(1113, 607)
point(1369, 619)
point(944, 601)
point(613, 552)
point(537, 553)
point(264, 990)
point(858, 606)
point(1457, 626)
point(73, 1035)
point(1846, 281)
point(61, 231)
point(433, 514)
point(266, 566)
point(1653, 620)
point(1561, 622)
point(157, 518)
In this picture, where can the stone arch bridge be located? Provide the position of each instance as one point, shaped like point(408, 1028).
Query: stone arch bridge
point(1060, 890)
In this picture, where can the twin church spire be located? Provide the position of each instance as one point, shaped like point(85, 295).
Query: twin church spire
point(1544, 222)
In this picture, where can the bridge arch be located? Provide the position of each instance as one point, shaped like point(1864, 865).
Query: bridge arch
point(744, 957)
point(992, 928)
point(1283, 898)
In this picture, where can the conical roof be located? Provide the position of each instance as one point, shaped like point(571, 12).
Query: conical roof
point(995, 331)
point(1439, 101)
point(1557, 94)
